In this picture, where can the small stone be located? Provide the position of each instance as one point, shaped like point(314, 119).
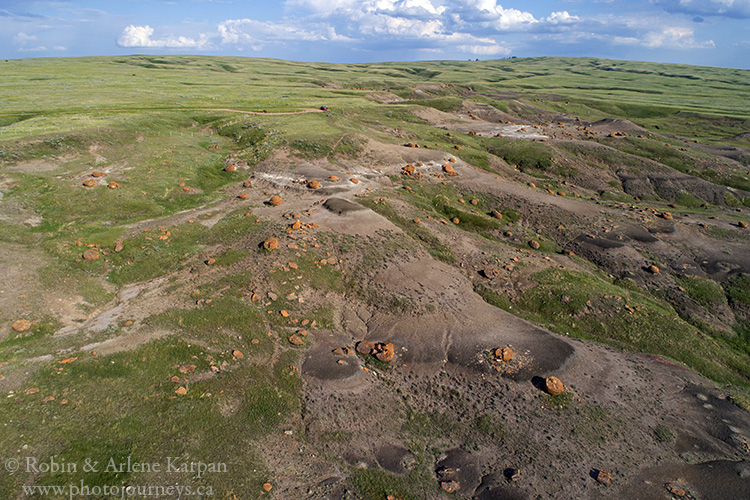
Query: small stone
point(603, 477)
point(89, 183)
point(455, 220)
point(90, 254)
point(554, 386)
point(450, 486)
point(119, 246)
point(676, 490)
point(284, 313)
point(97, 174)
point(271, 244)
point(21, 325)
point(247, 184)
point(333, 178)
point(275, 200)
point(237, 354)
point(508, 234)
point(490, 272)
point(653, 269)
point(534, 244)
point(242, 196)
point(384, 352)
point(496, 214)
point(267, 487)
point(128, 323)
point(185, 369)
point(354, 180)
point(297, 225)
point(230, 168)
point(448, 169)
point(742, 223)
point(504, 353)
point(113, 185)
point(313, 184)
point(295, 340)
point(474, 202)
point(365, 347)
point(210, 261)
point(181, 391)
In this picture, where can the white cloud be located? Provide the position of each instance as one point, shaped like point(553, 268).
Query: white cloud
point(485, 50)
point(141, 36)
point(667, 37)
point(561, 18)
point(30, 43)
point(22, 38)
point(728, 8)
point(400, 26)
point(472, 26)
point(675, 38)
point(257, 34)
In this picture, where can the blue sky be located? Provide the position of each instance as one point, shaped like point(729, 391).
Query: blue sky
point(704, 32)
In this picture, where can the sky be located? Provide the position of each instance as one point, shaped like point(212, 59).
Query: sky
point(702, 32)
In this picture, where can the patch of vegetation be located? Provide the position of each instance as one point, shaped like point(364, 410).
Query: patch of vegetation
point(131, 410)
point(146, 256)
point(738, 290)
point(231, 256)
point(585, 306)
point(689, 201)
point(487, 425)
point(528, 156)
point(468, 220)
point(376, 484)
point(431, 243)
point(706, 292)
point(664, 433)
point(445, 104)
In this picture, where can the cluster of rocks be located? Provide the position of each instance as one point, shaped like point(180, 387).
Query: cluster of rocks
point(382, 351)
point(411, 170)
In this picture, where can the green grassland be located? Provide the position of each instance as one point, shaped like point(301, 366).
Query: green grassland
point(164, 126)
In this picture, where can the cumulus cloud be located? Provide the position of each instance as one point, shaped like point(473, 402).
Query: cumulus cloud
point(675, 38)
point(470, 26)
point(30, 43)
point(668, 37)
point(729, 8)
point(562, 17)
point(22, 38)
point(141, 36)
point(493, 49)
point(257, 34)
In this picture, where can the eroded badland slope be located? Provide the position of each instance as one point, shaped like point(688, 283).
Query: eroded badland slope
point(201, 265)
